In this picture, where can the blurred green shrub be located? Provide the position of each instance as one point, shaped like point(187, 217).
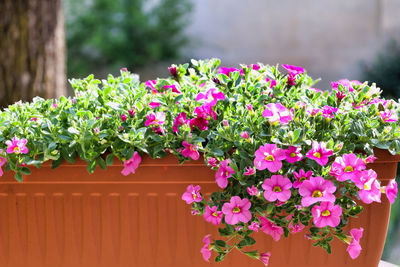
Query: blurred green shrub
point(105, 35)
point(385, 70)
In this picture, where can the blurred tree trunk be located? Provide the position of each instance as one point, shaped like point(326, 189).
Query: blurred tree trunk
point(32, 50)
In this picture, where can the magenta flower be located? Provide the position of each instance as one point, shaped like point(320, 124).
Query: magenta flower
point(156, 119)
point(250, 108)
point(151, 84)
point(131, 164)
point(370, 159)
point(277, 112)
point(211, 97)
point(192, 194)
point(205, 250)
point(388, 116)
point(328, 111)
point(212, 215)
point(153, 105)
point(347, 167)
point(254, 226)
point(2, 162)
point(391, 189)
point(245, 135)
point(190, 151)
point(212, 162)
point(326, 214)
point(319, 153)
point(173, 71)
point(293, 69)
point(340, 95)
point(295, 228)
point(316, 189)
point(269, 157)
point(237, 210)
point(277, 188)
point(291, 79)
point(96, 130)
point(293, 154)
point(354, 247)
point(271, 81)
point(33, 119)
point(253, 191)
point(301, 176)
point(200, 123)
point(179, 120)
point(370, 189)
point(172, 87)
point(264, 258)
point(205, 111)
point(271, 228)
point(249, 171)
point(312, 111)
point(223, 173)
point(123, 117)
point(17, 146)
point(226, 71)
point(131, 112)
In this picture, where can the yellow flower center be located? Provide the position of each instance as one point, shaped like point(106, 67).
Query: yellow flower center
point(269, 158)
point(236, 210)
point(292, 155)
point(348, 169)
point(194, 195)
point(277, 189)
point(302, 178)
point(317, 155)
point(17, 150)
point(215, 214)
point(317, 193)
point(326, 213)
point(367, 186)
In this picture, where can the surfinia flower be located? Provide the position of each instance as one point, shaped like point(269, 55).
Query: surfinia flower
point(264, 257)
point(212, 162)
point(179, 120)
point(269, 157)
point(211, 97)
point(293, 69)
point(155, 119)
point(2, 162)
point(131, 164)
point(237, 210)
point(17, 146)
point(291, 79)
point(250, 108)
point(223, 173)
point(326, 214)
point(245, 135)
point(254, 226)
point(295, 228)
point(293, 154)
point(353, 240)
point(173, 71)
point(192, 194)
point(173, 88)
point(205, 111)
point(271, 82)
point(123, 117)
point(226, 71)
point(388, 116)
point(253, 191)
point(329, 112)
point(347, 167)
point(370, 159)
point(190, 151)
point(131, 112)
point(154, 104)
point(212, 215)
point(312, 111)
point(277, 188)
point(316, 189)
point(194, 212)
point(390, 190)
point(319, 153)
point(370, 189)
point(271, 228)
point(249, 171)
point(206, 249)
point(301, 176)
point(277, 112)
point(340, 95)
point(152, 85)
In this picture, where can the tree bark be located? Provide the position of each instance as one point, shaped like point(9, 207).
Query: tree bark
point(32, 50)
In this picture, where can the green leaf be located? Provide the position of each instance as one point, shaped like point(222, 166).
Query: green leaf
point(110, 159)
point(18, 176)
point(217, 152)
point(101, 163)
point(296, 135)
point(25, 171)
point(220, 243)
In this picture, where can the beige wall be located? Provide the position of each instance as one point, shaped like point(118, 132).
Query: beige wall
point(327, 37)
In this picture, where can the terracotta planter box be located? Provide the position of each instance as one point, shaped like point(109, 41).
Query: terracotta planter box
point(66, 217)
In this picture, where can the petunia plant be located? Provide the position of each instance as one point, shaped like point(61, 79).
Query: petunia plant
point(281, 149)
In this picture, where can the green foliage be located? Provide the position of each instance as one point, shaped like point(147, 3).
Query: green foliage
point(107, 35)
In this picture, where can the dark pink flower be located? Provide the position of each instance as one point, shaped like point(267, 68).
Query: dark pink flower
point(253, 191)
point(123, 117)
point(131, 164)
point(293, 154)
point(173, 71)
point(250, 108)
point(293, 69)
point(205, 250)
point(328, 111)
point(192, 194)
point(223, 173)
point(179, 120)
point(277, 112)
point(295, 228)
point(154, 104)
point(264, 258)
point(347, 167)
point(301, 176)
point(271, 228)
point(155, 119)
point(340, 95)
point(319, 153)
point(370, 159)
point(291, 79)
point(200, 123)
point(226, 71)
point(172, 87)
point(17, 146)
point(269, 157)
point(211, 97)
point(272, 82)
point(131, 112)
point(33, 119)
point(249, 171)
point(212, 215)
point(277, 188)
point(254, 226)
point(2, 162)
point(316, 189)
point(212, 162)
point(388, 116)
point(237, 210)
point(245, 135)
point(391, 190)
point(205, 111)
point(326, 214)
point(152, 85)
point(190, 151)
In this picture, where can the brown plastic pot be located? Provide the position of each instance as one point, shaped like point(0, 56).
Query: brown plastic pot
point(66, 217)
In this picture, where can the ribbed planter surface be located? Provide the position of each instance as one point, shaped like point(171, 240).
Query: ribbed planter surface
point(66, 217)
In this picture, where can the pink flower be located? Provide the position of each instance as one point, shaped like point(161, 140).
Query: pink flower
point(328, 111)
point(391, 189)
point(156, 119)
point(312, 111)
point(172, 87)
point(293, 69)
point(354, 247)
point(226, 71)
point(192, 194)
point(131, 112)
point(291, 79)
point(151, 84)
point(340, 95)
point(326, 214)
point(212, 215)
point(154, 105)
point(369, 185)
point(2, 162)
point(17, 146)
point(347, 167)
point(293, 154)
point(269, 157)
point(123, 117)
point(254, 226)
point(277, 188)
point(264, 258)
point(277, 112)
point(190, 151)
point(319, 153)
point(179, 120)
point(316, 189)
point(388, 116)
point(205, 111)
point(132, 164)
point(249, 171)
point(245, 135)
point(173, 71)
point(253, 191)
point(223, 173)
point(237, 210)
point(272, 82)
point(250, 108)
point(271, 228)
point(33, 119)
point(301, 176)
point(194, 212)
point(212, 162)
point(295, 228)
point(370, 159)
point(211, 96)
point(123, 69)
point(96, 130)
point(205, 250)
point(200, 122)
point(54, 105)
